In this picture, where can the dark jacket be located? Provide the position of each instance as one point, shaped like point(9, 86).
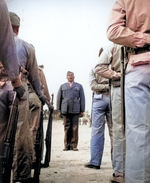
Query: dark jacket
point(71, 99)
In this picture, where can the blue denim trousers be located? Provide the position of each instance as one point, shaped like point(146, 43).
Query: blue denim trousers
point(100, 112)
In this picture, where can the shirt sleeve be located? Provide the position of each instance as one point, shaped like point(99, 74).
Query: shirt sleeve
point(94, 85)
point(102, 68)
point(8, 55)
point(118, 33)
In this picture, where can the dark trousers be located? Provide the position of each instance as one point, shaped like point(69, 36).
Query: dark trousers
point(71, 122)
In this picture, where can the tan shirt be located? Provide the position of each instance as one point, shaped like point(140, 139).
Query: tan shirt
point(110, 56)
point(129, 25)
point(97, 83)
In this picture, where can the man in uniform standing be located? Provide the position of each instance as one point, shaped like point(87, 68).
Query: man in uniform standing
point(100, 111)
point(129, 25)
point(111, 57)
point(71, 103)
point(23, 150)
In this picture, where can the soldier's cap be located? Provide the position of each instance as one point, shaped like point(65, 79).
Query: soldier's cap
point(15, 20)
point(69, 72)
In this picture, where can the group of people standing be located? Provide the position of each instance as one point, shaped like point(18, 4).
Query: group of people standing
point(19, 72)
point(128, 26)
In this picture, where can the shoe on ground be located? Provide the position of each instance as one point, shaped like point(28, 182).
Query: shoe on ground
point(65, 149)
point(89, 165)
point(117, 179)
point(75, 149)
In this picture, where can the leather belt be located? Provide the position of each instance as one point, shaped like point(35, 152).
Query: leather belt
point(100, 92)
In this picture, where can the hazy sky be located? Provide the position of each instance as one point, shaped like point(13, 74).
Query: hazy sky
point(66, 34)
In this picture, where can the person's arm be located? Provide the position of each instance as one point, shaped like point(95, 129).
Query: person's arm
point(44, 83)
point(94, 85)
point(119, 34)
point(102, 67)
point(82, 100)
point(59, 99)
point(8, 54)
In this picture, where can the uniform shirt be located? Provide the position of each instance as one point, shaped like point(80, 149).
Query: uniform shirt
point(110, 56)
point(26, 55)
point(129, 25)
point(98, 83)
point(8, 55)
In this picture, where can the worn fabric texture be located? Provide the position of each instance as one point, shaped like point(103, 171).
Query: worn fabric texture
point(23, 150)
point(6, 97)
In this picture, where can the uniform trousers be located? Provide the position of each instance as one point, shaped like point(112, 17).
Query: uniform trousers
point(118, 135)
point(137, 97)
point(71, 123)
point(100, 110)
point(23, 150)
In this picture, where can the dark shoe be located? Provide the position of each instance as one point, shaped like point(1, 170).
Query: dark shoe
point(88, 165)
point(117, 179)
point(44, 165)
point(75, 149)
point(65, 149)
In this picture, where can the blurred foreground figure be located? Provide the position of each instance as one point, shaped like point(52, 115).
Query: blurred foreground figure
point(8, 55)
point(129, 25)
point(71, 104)
point(100, 112)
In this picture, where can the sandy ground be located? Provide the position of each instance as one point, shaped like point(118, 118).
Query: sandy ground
point(68, 166)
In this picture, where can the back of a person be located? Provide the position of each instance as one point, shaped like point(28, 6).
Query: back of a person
point(137, 14)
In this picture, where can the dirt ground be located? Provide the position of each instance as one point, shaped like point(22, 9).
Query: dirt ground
point(68, 166)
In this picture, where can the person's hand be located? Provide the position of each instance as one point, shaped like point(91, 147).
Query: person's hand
point(141, 39)
point(20, 91)
point(45, 100)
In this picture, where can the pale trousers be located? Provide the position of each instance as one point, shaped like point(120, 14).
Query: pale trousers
point(137, 97)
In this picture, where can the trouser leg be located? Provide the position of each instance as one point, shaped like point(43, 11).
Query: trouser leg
point(74, 136)
point(97, 135)
point(67, 130)
point(118, 135)
point(137, 95)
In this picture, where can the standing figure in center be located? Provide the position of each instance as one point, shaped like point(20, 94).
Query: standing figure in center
point(71, 104)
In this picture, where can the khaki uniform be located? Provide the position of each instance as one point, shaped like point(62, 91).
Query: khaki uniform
point(23, 152)
point(109, 67)
point(129, 25)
